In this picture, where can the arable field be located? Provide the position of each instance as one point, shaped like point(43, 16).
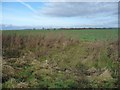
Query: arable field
point(60, 58)
point(85, 35)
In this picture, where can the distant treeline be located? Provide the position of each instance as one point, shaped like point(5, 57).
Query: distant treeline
point(80, 28)
point(69, 28)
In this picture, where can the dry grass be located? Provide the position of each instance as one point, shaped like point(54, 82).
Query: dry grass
point(50, 61)
point(13, 45)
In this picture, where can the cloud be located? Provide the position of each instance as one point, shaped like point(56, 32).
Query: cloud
point(27, 5)
point(65, 14)
point(80, 9)
point(95, 14)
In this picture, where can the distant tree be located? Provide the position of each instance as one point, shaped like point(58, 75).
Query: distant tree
point(43, 28)
point(34, 28)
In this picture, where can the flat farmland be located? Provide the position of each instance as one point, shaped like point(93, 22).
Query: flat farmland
point(87, 35)
point(60, 58)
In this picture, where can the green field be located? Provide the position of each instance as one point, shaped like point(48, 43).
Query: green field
point(60, 58)
point(86, 35)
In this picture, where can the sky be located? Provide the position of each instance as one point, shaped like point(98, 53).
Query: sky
point(60, 14)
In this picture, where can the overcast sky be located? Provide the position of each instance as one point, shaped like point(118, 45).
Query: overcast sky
point(60, 14)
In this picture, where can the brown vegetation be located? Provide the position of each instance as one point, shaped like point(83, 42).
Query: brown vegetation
point(48, 61)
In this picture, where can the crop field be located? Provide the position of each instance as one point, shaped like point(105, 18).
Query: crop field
point(85, 35)
point(60, 58)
